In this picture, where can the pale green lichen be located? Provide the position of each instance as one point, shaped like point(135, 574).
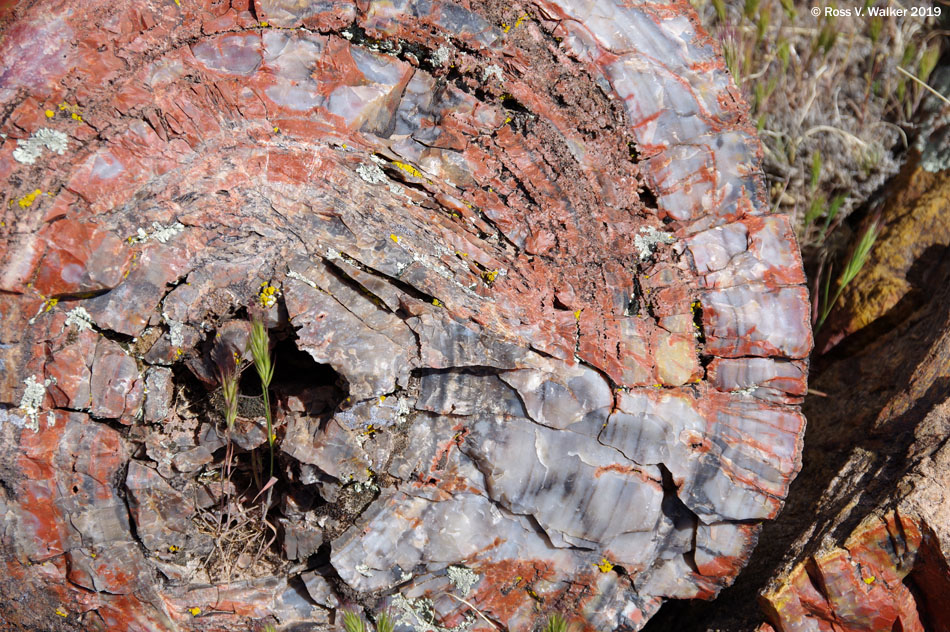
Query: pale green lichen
point(462, 578)
point(441, 55)
point(176, 335)
point(492, 72)
point(371, 173)
point(79, 318)
point(648, 239)
point(29, 150)
point(32, 400)
point(296, 275)
point(159, 233)
point(418, 614)
point(747, 391)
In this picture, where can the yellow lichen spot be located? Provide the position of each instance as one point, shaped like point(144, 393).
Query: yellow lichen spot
point(172, 548)
point(489, 276)
point(76, 117)
point(196, 610)
point(408, 169)
point(577, 314)
point(382, 398)
point(520, 20)
point(178, 2)
point(344, 145)
point(604, 566)
point(437, 302)
point(276, 130)
point(265, 24)
point(267, 297)
point(178, 352)
point(869, 580)
point(505, 28)
point(50, 304)
point(370, 430)
point(50, 114)
point(62, 612)
point(394, 237)
point(27, 200)
point(273, 437)
point(507, 120)
point(92, 555)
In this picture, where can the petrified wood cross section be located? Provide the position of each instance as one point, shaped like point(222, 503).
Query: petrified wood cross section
point(540, 345)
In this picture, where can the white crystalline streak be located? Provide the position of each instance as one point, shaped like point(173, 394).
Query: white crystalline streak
point(27, 151)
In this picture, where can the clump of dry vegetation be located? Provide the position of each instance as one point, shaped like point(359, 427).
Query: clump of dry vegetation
point(835, 98)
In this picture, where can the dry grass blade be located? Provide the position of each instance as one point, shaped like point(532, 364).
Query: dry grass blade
point(924, 86)
point(477, 611)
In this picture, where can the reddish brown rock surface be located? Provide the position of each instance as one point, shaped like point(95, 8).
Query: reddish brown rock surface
point(539, 345)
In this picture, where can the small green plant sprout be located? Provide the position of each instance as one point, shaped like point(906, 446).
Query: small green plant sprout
point(353, 622)
point(385, 622)
point(557, 623)
point(228, 365)
point(858, 258)
point(259, 343)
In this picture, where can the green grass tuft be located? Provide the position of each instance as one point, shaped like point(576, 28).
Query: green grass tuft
point(264, 363)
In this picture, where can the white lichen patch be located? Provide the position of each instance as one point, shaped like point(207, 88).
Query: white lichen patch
point(359, 488)
point(462, 578)
point(418, 614)
point(440, 56)
point(748, 391)
point(371, 173)
point(29, 150)
point(292, 274)
point(364, 570)
point(79, 318)
point(647, 240)
point(32, 400)
point(159, 233)
point(176, 335)
point(493, 71)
